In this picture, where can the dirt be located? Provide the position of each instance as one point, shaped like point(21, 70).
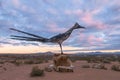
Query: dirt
point(22, 72)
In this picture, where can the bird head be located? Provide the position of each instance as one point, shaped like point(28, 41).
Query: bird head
point(77, 26)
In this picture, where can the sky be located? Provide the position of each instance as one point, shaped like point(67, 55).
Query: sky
point(50, 17)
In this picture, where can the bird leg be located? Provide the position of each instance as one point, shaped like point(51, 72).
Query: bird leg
point(61, 48)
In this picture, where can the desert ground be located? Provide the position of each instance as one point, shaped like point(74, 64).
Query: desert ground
point(9, 71)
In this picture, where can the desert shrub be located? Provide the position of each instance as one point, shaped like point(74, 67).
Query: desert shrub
point(12, 61)
point(73, 60)
point(4, 68)
point(29, 62)
point(103, 67)
point(92, 61)
point(17, 63)
point(36, 72)
point(106, 61)
point(46, 61)
point(1, 62)
point(85, 66)
point(115, 67)
point(96, 61)
point(89, 61)
point(33, 61)
point(99, 66)
point(119, 60)
point(38, 61)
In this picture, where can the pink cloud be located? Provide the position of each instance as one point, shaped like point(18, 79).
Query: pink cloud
point(52, 11)
point(88, 18)
point(94, 41)
point(49, 1)
point(77, 2)
point(74, 12)
point(92, 38)
point(52, 26)
point(82, 37)
point(16, 3)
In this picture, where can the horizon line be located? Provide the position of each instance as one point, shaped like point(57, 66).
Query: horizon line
point(65, 52)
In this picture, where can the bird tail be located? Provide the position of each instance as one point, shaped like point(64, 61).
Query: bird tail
point(33, 38)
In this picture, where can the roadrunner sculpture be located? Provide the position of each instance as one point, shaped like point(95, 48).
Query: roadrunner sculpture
point(55, 39)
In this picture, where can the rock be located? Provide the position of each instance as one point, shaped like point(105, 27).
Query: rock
point(61, 60)
point(62, 63)
point(64, 69)
point(48, 69)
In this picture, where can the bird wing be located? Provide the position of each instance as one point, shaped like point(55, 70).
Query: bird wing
point(33, 38)
point(56, 36)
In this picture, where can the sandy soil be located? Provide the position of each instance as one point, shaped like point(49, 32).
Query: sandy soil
point(22, 72)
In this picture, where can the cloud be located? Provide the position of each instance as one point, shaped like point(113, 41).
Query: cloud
point(52, 11)
point(48, 1)
point(50, 17)
point(16, 3)
point(0, 4)
point(73, 12)
point(6, 41)
point(53, 27)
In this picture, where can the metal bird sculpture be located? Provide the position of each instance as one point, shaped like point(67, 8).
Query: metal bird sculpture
point(55, 39)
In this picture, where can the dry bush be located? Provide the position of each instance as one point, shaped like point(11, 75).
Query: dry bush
point(38, 61)
point(73, 60)
point(29, 62)
point(33, 61)
point(1, 66)
point(106, 61)
point(36, 71)
point(119, 61)
point(12, 61)
point(115, 67)
point(17, 63)
point(85, 66)
point(5, 68)
point(92, 60)
point(99, 66)
point(1, 62)
point(46, 61)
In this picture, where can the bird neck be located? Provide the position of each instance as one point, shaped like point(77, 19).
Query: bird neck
point(70, 30)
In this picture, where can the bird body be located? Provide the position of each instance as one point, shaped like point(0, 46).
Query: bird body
point(60, 38)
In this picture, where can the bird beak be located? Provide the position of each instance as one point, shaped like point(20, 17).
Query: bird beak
point(82, 27)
